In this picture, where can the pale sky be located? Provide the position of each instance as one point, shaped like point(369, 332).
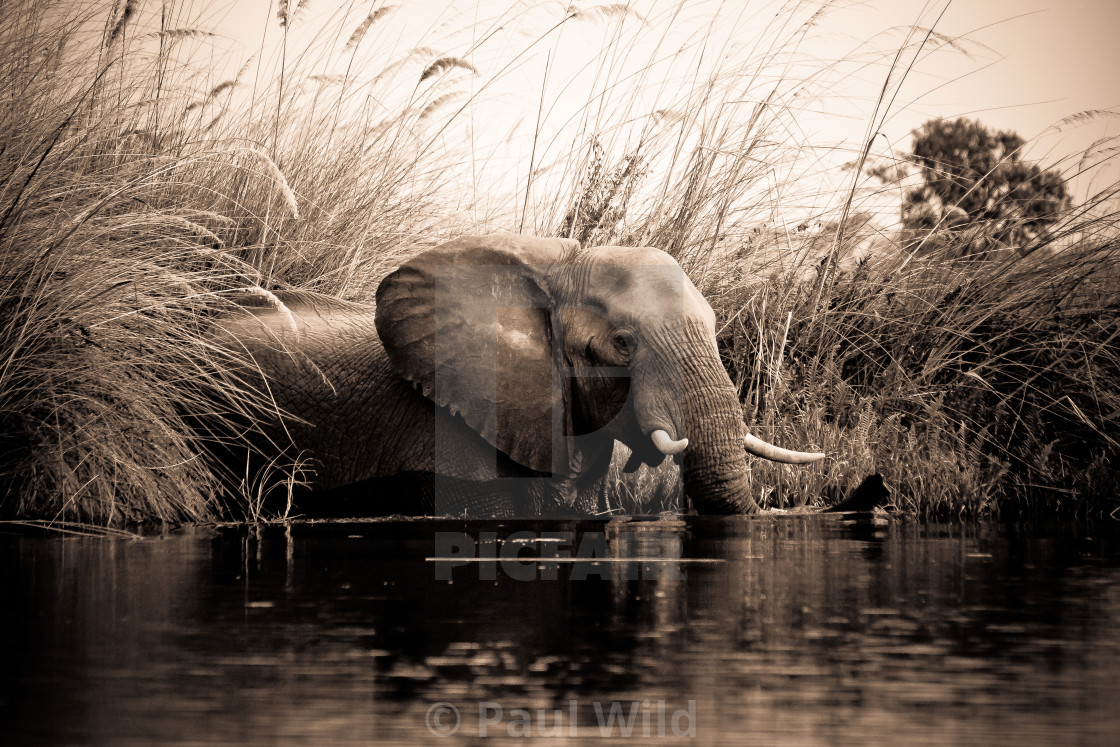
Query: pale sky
point(1046, 59)
point(1017, 64)
point(1049, 59)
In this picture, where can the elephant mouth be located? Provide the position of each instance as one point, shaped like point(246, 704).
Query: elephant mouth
point(653, 450)
point(643, 451)
point(651, 458)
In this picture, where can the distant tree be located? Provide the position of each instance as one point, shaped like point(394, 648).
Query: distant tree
point(978, 194)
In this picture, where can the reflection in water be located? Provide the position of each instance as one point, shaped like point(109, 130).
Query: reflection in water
point(803, 629)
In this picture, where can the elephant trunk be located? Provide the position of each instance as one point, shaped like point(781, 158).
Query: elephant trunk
point(714, 469)
point(695, 400)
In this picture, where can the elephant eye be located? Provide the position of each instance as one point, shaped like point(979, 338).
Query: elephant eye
point(623, 343)
point(612, 351)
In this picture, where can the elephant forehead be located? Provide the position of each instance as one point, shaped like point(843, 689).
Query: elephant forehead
point(630, 284)
point(631, 255)
point(619, 268)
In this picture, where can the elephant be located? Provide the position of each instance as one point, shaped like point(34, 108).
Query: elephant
point(492, 377)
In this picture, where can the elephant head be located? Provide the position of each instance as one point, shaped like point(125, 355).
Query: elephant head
point(551, 352)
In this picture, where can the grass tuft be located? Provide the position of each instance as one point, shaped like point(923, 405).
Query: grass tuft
point(444, 64)
point(360, 32)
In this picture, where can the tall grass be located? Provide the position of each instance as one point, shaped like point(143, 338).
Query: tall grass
point(973, 386)
point(139, 196)
point(129, 216)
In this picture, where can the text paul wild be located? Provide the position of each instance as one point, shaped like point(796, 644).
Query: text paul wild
point(627, 719)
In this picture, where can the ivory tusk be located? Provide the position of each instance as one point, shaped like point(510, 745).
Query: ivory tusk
point(758, 447)
point(665, 443)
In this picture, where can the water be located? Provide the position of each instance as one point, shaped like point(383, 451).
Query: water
point(792, 630)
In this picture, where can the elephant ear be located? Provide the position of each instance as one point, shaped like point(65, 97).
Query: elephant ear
point(470, 324)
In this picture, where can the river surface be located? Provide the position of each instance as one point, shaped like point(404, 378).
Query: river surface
point(781, 630)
